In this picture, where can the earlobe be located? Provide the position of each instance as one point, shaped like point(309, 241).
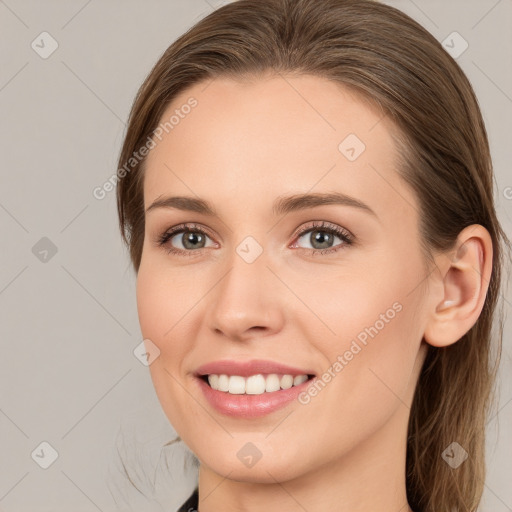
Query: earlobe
point(461, 287)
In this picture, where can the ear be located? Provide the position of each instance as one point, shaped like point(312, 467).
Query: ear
point(460, 287)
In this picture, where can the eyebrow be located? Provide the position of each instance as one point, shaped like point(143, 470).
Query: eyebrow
point(282, 205)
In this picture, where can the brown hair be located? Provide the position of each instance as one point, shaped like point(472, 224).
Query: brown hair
point(390, 59)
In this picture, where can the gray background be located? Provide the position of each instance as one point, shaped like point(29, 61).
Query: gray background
point(68, 321)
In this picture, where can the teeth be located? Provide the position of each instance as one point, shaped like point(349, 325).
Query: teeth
point(255, 384)
point(214, 381)
point(286, 381)
point(236, 385)
point(272, 383)
point(299, 379)
point(223, 384)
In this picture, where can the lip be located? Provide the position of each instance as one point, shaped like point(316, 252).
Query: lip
point(248, 368)
point(250, 406)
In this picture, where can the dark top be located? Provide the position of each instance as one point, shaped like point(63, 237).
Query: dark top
point(191, 504)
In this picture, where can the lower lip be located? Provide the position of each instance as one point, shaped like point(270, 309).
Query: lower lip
point(250, 406)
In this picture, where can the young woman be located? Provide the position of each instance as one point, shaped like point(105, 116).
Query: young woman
point(306, 191)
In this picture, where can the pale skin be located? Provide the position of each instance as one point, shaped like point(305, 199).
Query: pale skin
point(245, 145)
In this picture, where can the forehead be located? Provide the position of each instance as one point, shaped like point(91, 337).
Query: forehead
point(249, 140)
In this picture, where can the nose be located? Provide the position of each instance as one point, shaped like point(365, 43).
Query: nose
point(247, 302)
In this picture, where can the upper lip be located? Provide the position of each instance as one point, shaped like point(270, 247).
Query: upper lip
point(247, 368)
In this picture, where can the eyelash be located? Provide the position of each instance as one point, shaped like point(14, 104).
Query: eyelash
point(346, 237)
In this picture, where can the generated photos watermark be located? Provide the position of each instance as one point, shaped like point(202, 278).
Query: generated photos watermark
point(108, 185)
point(343, 360)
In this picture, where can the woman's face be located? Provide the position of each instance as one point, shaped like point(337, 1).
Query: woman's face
point(334, 290)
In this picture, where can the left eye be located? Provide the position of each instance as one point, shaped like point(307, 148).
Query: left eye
point(321, 238)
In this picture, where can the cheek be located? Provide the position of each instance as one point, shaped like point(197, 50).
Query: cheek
point(375, 315)
point(160, 306)
point(150, 302)
point(163, 297)
point(364, 301)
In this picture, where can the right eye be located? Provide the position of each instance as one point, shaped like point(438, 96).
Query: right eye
point(190, 236)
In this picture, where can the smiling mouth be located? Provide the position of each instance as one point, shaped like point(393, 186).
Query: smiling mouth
point(257, 384)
